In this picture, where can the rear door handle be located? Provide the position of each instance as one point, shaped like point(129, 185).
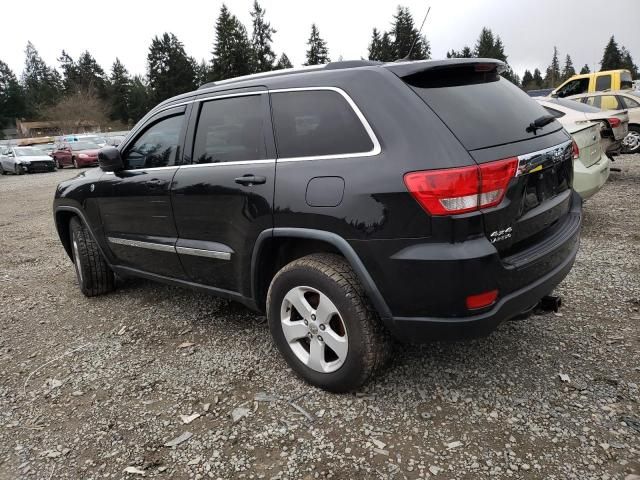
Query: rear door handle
point(249, 180)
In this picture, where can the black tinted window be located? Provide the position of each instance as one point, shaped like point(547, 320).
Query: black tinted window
point(625, 80)
point(157, 146)
point(574, 87)
point(483, 112)
point(316, 123)
point(230, 129)
point(603, 82)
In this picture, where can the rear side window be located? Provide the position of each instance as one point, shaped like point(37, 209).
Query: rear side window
point(603, 82)
point(481, 109)
point(230, 130)
point(630, 103)
point(315, 123)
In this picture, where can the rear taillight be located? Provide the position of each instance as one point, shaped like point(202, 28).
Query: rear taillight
point(575, 150)
point(460, 190)
point(614, 122)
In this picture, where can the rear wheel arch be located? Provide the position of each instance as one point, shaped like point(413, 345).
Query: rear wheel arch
point(277, 247)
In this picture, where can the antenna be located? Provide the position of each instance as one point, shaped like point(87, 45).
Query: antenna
point(418, 35)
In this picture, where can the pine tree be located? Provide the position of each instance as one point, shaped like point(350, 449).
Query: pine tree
point(119, 92)
point(612, 57)
point(485, 46)
point(69, 69)
point(527, 80)
point(464, 53)
point(91, 76)
point(627, 62)
point(12, 101)
point(568, 71)
point(169, 70)
point(42, 84)
point(283, 62)
point(585, 69)
point(139, 101)
point(318, 52)
point(232, 52)
point(263, 55)
point(405, 35)
point(203, 72)
point(553, 76)
point(538, 82)
point(375, 46)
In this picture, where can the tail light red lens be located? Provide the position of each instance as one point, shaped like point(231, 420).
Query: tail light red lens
point(460, 190)
point(481, 300)
point(575, 149)
point(614, 122)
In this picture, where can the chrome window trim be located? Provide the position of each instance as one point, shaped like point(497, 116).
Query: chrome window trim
point(220, 164)
point(527, 157)
point(372, 136)
point(138, 244)
point(198, 252)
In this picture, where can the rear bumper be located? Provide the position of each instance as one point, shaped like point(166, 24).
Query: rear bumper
point(425, 285)
point(587, 181)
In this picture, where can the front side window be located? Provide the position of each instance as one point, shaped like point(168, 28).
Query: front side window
point(157, 146)
point(230, 130)
point(603, 82)
point(317, 123)
point(574, 87)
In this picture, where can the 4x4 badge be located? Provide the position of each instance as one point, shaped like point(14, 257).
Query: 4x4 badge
point(500, 235)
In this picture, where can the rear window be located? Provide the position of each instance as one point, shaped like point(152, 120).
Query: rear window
point(575, 105)
point(481, 109)
point(317, 123)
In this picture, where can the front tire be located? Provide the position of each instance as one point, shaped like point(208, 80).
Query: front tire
point(19, 170)
point(631, 143)
point(322, 323)
point(93, 274)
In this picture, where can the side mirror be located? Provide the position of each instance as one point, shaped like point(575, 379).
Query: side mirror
point(109, 159)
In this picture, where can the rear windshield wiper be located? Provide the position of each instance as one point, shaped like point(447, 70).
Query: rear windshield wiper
point(539, 123)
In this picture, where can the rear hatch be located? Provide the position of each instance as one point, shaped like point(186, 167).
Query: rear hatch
point(587, 137)
point(492, 119)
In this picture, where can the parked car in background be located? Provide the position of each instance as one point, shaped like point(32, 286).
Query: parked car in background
point(19, 160)
point(595, 82)
point(614, 124)
point(543, 92)
point(97, 139)
point(590, 165)
point(115, 140)
point(628, 100)
point(345, 200)
point(77, 154)
point(47, 148)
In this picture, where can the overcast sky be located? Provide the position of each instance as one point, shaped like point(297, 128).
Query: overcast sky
point(124, 29)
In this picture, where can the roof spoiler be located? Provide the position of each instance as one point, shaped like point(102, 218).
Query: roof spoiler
point(405, 69)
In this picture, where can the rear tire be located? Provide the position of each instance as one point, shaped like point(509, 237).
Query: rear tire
point(632, 140)
point(338, 351)
point(93, 274)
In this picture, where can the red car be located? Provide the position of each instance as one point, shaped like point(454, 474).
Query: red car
point(78, 154)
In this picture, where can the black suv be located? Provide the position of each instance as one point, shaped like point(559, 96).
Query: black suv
point(352, 202)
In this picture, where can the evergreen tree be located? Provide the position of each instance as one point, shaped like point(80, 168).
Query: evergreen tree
point(627, 62)
point(139, 101)
point(232, 52)
point(538, 82)
point(375, 46)
point(318, 52)
point(568, 71)
point(91, 76)
point(464, 53)
point(283, 62)
point(553, 76)
point(42, 84)
point(119, 92)
point(612, 57)
point(69, 69)
point(527, 80)
point(263, 55)
point(485, 46)
point(405, 35)
point(203, 72)
point(12, 101)
point(585, 69)
point(169, 70)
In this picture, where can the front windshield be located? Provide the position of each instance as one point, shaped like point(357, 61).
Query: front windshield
point(84, 146)
point(92, 139)
point(27, 152)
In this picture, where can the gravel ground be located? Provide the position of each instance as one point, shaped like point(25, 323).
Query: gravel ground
point(92, 387)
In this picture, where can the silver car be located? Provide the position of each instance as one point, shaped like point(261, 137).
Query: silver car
point(19, 160)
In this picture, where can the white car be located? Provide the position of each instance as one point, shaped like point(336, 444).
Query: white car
point(628, 100)
point(19, 160)
point(590, 164)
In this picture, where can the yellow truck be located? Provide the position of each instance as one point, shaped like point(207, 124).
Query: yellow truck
point(595, 82)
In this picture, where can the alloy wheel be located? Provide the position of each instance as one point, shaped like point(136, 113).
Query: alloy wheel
point(314, 329)
point(631, 142)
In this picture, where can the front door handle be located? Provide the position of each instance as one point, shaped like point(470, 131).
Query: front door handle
point(249, 180)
